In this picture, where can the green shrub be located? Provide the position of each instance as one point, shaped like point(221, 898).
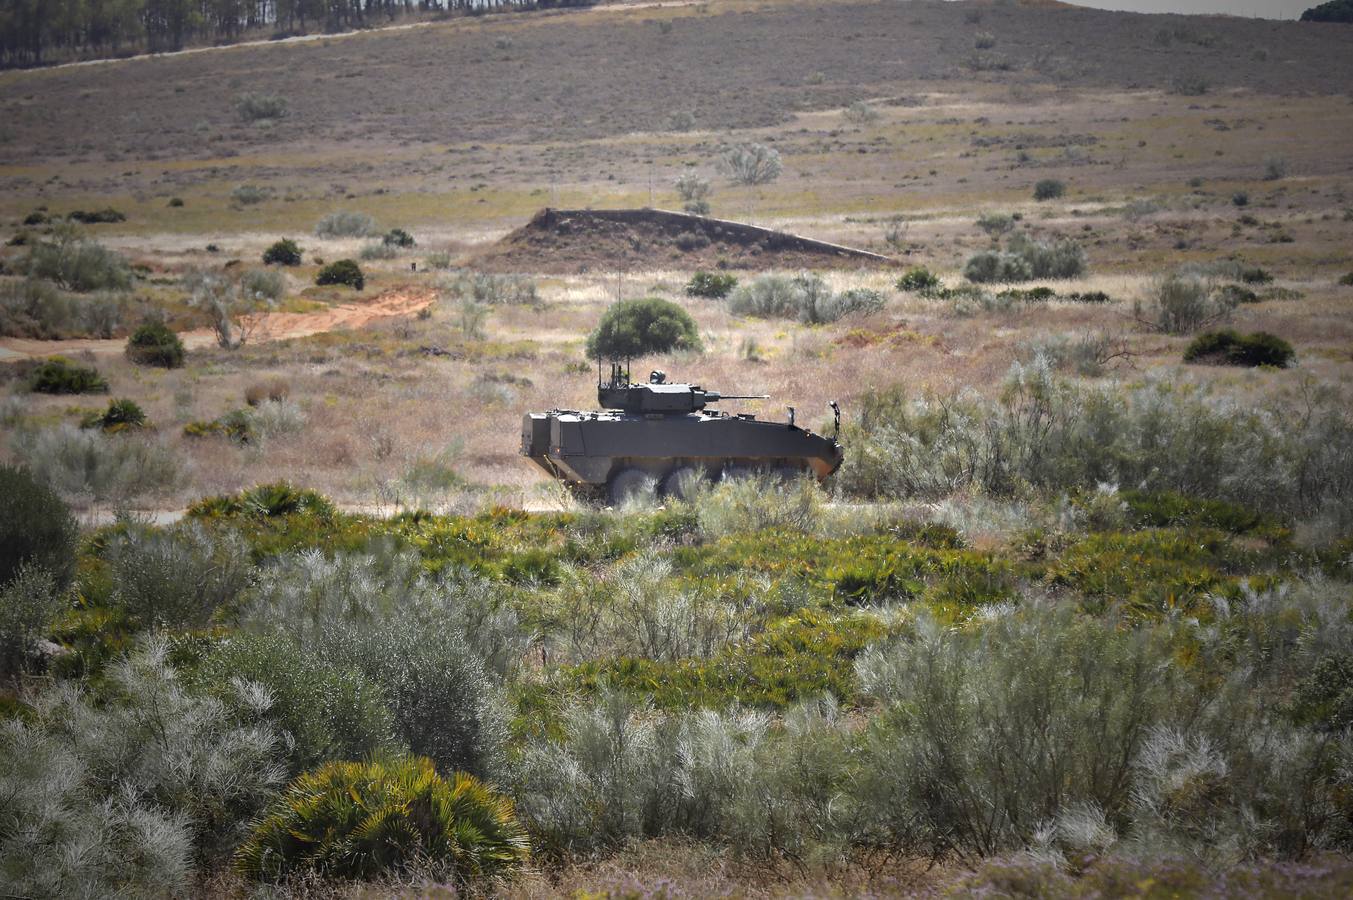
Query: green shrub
point(344, 271)
point(77, 264)
point(398, 237)
point(633, 328)
point(93, 465)
point(1347, 280)
point(711, 285)
point(804, 296)
point(389, 816)
point(122, 414)
point(919, 279)
point(283, 253)
point(154, 344)
point(1228, 347)
point(1256, 275)
point(347, 224)
point(258, 107)
point(1049, 189)
point(58, 375)
point(29, 605)
point(1240, 198)
point(1060, 259)
point(177, 577)
point(1184, 303)
point(992, 266)
point(175, 203)
point(122, 792)
point(37, 529)
point(323, 711)
point(262, 287)
point(250, 194)
point(487, 289)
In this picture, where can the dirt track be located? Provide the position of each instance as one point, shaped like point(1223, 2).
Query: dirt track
point(277, 326)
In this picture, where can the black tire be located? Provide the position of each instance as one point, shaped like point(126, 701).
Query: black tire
point(628, 484)
point(682, 482)
point(738, 473)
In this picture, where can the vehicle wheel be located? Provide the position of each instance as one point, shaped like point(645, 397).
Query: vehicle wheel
point(682, 482)
point(738, 473)
point(629, 484)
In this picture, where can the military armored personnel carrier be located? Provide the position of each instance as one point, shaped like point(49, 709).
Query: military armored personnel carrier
point(664, 436)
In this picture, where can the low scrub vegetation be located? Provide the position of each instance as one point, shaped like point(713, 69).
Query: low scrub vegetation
point(39, 309)
point(78, 264)
point(58, 375)
point(805, 297)
point(347, 224)
point(1228, 347)
point(1053, 435)
point(1025, 259)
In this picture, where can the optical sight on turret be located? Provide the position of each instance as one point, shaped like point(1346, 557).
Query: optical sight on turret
point(663, 436)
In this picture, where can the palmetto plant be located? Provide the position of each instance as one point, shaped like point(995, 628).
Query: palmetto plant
point(362, 819)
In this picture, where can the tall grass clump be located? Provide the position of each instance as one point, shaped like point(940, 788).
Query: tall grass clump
point(347, 224)
point(389, 816)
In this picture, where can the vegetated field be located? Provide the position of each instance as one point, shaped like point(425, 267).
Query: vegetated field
point(1068, 594)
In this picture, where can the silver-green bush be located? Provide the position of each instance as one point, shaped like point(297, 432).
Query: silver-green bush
point(88, 465)
point(178, 577)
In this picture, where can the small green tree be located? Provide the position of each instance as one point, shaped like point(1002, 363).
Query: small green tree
point(36, 528)
point(632, 328)
point(344, 271)
point(283, 253)
point(153, 344)
point(1049, 189)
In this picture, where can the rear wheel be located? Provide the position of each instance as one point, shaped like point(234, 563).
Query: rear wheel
point(738, 473)
point(629, 484)
point(682, 482)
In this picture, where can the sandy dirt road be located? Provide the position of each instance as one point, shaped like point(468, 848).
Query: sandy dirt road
point(274, 326)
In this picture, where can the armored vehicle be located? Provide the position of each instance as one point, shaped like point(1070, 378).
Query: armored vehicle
point(664, 436)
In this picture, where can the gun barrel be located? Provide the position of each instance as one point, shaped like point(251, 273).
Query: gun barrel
point(715, 395)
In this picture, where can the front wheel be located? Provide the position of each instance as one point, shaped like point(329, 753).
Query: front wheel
point(629, 484)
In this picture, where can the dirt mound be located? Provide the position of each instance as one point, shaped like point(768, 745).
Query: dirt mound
point(567, 241)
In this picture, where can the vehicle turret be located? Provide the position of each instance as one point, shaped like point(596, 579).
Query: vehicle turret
point(658, 396)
